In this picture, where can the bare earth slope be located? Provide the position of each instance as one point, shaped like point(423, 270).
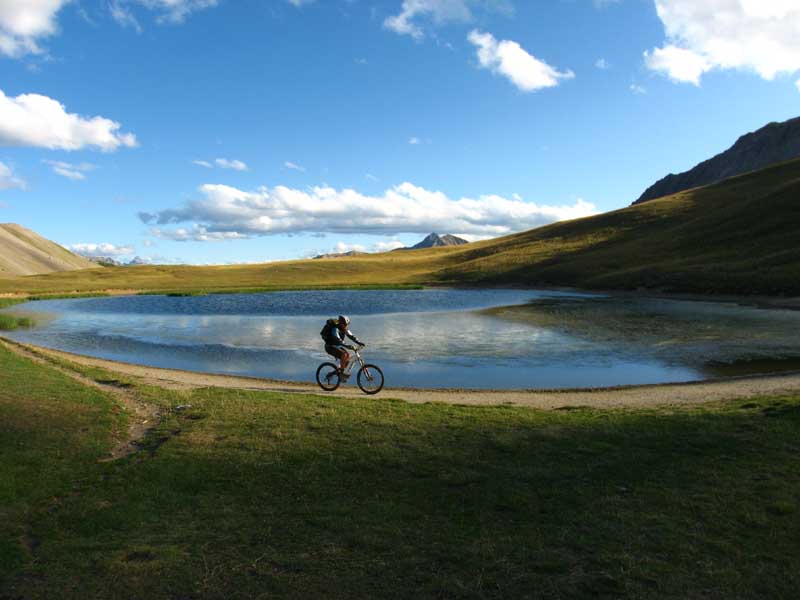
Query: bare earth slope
point(24, 252)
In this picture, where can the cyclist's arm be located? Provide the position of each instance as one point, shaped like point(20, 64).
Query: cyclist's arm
point(349, 334)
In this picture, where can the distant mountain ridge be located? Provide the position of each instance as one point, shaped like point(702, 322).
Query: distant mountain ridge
point(25, 252)
point(434, 240)
point(774, 143)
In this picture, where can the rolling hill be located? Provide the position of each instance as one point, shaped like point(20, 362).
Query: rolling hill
point(739, 236)
point(24, 252)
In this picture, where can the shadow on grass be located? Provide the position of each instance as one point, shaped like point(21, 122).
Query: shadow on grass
point(309, 497)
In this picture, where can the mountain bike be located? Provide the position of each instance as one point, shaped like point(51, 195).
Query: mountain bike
point(369, 377)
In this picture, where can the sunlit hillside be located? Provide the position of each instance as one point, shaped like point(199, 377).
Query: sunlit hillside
point(738, 236)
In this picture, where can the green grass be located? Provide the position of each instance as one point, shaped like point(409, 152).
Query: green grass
point(10, 323)
point(736, 237)
point(244, 494)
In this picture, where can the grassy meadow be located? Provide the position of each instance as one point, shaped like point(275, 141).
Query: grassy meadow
point(240, 494)
point(736, 237)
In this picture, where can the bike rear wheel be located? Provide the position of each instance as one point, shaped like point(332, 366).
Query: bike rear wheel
point(370, 379)
point(328, 376)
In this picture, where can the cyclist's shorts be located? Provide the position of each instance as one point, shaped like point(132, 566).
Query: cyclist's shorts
point(334, 350)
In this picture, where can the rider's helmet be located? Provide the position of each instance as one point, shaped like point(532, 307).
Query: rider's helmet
point(344, 320)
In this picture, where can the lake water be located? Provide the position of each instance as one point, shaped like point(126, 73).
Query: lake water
point(430, 338)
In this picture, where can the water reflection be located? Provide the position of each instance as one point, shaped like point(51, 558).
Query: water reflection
point(440, 338)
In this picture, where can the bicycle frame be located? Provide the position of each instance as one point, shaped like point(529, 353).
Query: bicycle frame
point(352, 363)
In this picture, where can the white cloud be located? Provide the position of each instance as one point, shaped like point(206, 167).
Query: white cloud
point(7, 179)
point(23, 22)
point(222, 163)
point(69, 170)
point(122, 15)
point(509, 59)
point(295, 167)
point(638, 89)
point(299, 3)
point(34, 120)
point(440, 11)
point(372, 177)
point(226, 212)
point(602, 64)
point(414, 141)
point(97, 250)
point(170, 11)
point(387, 246)
point(758, 35)
point(678, 64)
point(236, 165)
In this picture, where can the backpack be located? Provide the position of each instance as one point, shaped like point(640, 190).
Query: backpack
point(327, 331)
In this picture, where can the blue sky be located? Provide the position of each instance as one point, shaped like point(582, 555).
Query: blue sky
point(206, 131)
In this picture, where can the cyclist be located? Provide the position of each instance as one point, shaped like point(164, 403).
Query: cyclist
point(335, 332)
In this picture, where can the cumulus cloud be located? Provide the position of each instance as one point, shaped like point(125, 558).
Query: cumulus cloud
point(758, 35)
point(39, 121)
point(100, 250)
point(23, 22)
point(440, 11)
point(510, 60)
point(678, 64)
point(69, 170)
point(226, 212)
point(7, 179)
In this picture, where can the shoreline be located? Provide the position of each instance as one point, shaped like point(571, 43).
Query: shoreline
point(672, 395)
point(757, 300)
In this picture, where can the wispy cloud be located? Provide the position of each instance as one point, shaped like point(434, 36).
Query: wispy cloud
point(7, 179)
point(294, 167)
point(39, 121)
point(407, 21)
point(69, 170)
point(638, 89)
point(168, 11)
point(236, 165)
point(414, 141)
point(509, 59)
point(226, 212)
point(602, 64)
point(222, 163)
point(102, 250)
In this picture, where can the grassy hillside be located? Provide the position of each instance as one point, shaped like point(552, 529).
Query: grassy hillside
point(241, 494)
point(24, 252)
point(738, 236)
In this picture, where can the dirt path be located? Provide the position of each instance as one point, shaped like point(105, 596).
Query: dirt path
point(631, 397)
point(141, 417)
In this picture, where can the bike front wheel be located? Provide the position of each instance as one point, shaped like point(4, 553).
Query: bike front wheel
point(370, 379)
point(328, 376)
